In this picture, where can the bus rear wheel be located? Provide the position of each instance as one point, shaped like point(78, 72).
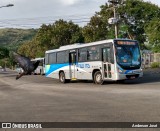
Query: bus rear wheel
point(98, 78)
point(62, 78)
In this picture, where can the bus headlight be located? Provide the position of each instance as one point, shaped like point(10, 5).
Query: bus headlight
point(119, 70)
point(138, 71)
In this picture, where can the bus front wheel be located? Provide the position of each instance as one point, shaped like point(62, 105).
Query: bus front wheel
point(62, 78)
point(98, 78)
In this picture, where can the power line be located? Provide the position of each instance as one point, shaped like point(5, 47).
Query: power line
point(38, 21)
point(55, 17)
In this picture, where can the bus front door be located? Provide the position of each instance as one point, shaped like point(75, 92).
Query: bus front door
point(72, 66)
point(107, 64)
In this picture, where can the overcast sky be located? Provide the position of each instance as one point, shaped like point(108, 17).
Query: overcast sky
point(32, 13)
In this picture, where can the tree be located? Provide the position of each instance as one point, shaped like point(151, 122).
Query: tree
point(65, 33)
point(4, 52)
point(44, 36)
point(58, 34)
point(30, 49)
point(137, 20)
point(136, 14)
point(98, 27)
point(95, 30)
point(51, 37)
point(4, 55)
point(153, 33)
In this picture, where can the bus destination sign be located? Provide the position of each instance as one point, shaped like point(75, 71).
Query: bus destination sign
point(126, 42)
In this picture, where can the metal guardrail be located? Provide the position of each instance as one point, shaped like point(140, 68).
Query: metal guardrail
point(149, 58)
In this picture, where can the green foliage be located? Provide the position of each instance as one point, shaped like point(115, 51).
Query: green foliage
point(94, 31)
point(12, 38)
point(4, 53)
point(155, 65)
point(153, 33)
point(136, 14)
point(138, 20)
point(65, 33)
point(98, 27)
point(5, 60)
point(2, 63)
point(52, 37)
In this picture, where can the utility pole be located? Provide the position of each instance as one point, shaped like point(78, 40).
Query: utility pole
point(116, 26)
point(114, 19)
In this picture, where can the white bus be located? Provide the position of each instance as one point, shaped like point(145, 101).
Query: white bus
point(41, 67)
point(107, 60)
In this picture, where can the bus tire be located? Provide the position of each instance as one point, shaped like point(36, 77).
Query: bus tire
point(62, 78)
point(98, 78)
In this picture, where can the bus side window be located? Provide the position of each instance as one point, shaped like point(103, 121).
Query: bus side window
point(111, 55)
point(93, 53)
point(51, 58)
point(82, 55)
point(108, 55)
point(106, 52)
point(61, 58)
point(66, 57)
point(46, 60)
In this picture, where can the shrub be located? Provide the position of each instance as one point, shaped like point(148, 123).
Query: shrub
point(155, 65)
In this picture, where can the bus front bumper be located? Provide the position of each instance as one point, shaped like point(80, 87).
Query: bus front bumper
point(129, 76)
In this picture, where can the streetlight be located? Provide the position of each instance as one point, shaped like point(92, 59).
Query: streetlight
point(9, 5)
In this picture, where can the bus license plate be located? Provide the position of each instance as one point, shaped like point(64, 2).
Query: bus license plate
point(132, 77)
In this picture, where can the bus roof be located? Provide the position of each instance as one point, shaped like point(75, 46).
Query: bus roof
point(80, 45)
point(37, 59)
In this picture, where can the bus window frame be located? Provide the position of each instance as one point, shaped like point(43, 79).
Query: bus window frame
point(99, 52)
point(65, 59)
point(111, 46)
point(46, 60)
point(79, 55)
point(49, 63)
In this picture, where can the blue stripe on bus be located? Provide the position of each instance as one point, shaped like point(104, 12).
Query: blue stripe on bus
point(128, 71)
point(53, 67)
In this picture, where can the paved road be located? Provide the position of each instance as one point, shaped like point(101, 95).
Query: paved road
point(36, 98)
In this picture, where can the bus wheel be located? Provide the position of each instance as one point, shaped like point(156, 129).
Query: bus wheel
point(98, 78)
point(62, 78)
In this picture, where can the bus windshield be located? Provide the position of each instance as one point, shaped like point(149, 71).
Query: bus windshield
point(128, 54)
